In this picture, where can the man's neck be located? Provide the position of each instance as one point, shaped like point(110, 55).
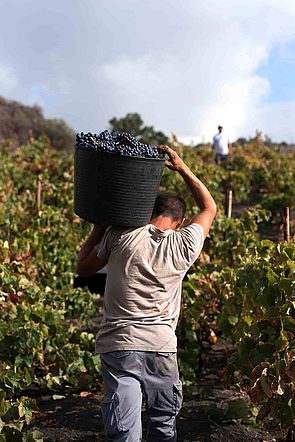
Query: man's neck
point(162, 222)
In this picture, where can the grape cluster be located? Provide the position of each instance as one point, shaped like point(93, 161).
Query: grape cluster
point(122, 144)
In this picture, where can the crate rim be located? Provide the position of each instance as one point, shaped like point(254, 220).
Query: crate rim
point(119, 155)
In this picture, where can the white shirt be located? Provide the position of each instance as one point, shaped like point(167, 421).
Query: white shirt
point(220, 141)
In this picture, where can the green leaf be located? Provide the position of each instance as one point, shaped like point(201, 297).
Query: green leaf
point(245, 346)
point(271, 276)
point(13, 435)
point(216, 411)
point(289, 324)
point(286, 415)
point(282, 366)
point(289, 251)
point(26, 408)
point(291, 368)
point(33, 436)
point(262, 353)
point(237, 409)
point(286, 284)
point(268, 297)
point(233, 320)
point(273, 313)
point(258, 327)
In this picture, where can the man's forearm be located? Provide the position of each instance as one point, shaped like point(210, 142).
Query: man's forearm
point(199, 191)
point(94, 238)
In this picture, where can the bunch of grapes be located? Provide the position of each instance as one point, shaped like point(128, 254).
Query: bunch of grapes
point(122, 144)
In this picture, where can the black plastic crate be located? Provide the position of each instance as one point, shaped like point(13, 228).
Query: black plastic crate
point(115, 189)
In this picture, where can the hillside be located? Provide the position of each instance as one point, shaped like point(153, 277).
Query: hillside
point(19, 123)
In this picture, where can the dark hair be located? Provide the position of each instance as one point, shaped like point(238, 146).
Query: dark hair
point(169, 204)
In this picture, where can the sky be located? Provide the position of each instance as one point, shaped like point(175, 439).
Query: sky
point(185, 66)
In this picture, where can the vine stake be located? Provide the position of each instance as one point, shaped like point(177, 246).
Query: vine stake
point(229, 203)
point(39, 188)
point(287, 234)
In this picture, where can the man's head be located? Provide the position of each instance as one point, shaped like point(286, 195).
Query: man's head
point(220, 128)
point(169, 211)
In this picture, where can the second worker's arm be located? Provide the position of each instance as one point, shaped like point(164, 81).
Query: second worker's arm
point(199, 191)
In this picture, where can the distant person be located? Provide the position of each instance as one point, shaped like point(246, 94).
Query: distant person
point(221, 146)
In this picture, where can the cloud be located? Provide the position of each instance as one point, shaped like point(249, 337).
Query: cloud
point(8, 79)
point(169, 97)
point(275, 120)
point(184, 66)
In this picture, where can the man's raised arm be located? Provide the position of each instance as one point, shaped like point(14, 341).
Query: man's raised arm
point(199, 191)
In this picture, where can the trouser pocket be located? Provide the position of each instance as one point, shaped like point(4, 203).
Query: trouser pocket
point(165, 401)
point(162, 407)
point(111, 414)
point(120, 353)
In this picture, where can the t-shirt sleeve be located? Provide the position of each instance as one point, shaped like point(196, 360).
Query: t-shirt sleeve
point(190, 242)
point(109, 241)
point(103, 249)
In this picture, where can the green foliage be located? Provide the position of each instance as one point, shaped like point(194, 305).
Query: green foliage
point(14, 414)
point(42, 341)
point(210, 283)
point(240, 286)
point(271, 173)
point(263, 305)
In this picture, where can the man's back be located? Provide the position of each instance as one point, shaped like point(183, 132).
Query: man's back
point(142, 296)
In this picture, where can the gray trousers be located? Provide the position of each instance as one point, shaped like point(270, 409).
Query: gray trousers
point(220, 159)
point(128, 377)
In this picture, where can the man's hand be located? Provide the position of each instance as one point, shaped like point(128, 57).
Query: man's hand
point(174, 162)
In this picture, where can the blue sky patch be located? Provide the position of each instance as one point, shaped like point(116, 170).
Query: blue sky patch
point(280, 71)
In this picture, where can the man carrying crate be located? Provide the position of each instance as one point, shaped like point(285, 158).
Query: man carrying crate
point(137, 340)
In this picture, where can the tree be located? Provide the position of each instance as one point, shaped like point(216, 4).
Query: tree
point(133, 124)
point(60, 134)
point(242, 141)
point(19, 123)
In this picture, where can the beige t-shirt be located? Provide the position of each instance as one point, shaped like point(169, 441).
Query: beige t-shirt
point(143, 287)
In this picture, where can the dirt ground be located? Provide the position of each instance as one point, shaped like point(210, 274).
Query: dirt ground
point(77, 417)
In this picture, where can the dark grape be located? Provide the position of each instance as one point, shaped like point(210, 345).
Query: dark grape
point(121, 144)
